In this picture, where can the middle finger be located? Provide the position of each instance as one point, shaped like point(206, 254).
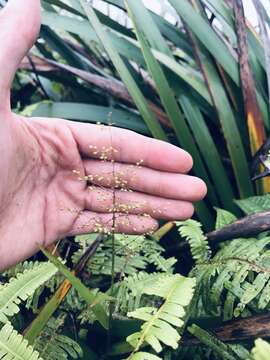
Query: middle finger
point(145, 180)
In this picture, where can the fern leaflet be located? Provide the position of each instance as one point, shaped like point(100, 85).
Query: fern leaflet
point(191, 230)
point(261, 351)
point(14, 347)
point(129, 292)
point(224, 351)
point(54, 346)
point(254, 204)
point(132, 253)
point(232, 268)
point(224, 217)
point(177, 292)
point(144, 356)
point(23, 286)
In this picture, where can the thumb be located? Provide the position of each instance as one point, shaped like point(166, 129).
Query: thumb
point(19, 27)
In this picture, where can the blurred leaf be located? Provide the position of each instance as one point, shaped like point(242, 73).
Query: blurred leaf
point(254, 204)
point(261, 351)
point(209, 151)
point(139, 17)
point(207, 36)
point(61, 47)
point(130, 49)
point(90, 113)
point(226, 117)
point(224, 218)
point(254, 117)
point(87, 295)
point(134, 90)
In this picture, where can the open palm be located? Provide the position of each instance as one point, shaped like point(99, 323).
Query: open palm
point(57, 177)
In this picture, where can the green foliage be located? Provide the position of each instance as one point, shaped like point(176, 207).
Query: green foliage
point(191, 230)
point(144, 356)
point(227, 277)
point(261, 351)
point(92, 299)
point(129, 293)
point(224, 217)
point(224, 351)
point(254, 204)
point(179, 91)
point(54, 346)
point(193, 103)
point(132, 253)
point(14, 347)
point(124, 73)
point(236, 279)
point(150, 38)
point(22, 286)
point(233, 282)
point(159, 323)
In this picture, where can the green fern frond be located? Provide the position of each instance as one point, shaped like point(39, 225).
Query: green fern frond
point(224, 217)
point(159, 323)
point(264, 298)
point(33, 301)
point(14, 347)
point(228, 275)
point(129, 292)
point(191, 230)
point(19, 268)
point(261, 351)
point(54, 346)
point(132, 253)
point(251, 291)
point(23, 286)
point(144, 356)
point(127, 258)
point(152, 252)
point(161, 263)
point(254, 204)
point(223, 351)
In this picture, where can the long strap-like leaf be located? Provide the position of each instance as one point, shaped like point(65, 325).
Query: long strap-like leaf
point(89, 296)
point(124, 73)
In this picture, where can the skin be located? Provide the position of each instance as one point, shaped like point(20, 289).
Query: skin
point(44, 195)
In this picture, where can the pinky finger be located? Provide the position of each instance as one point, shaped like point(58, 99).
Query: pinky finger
point(90, 222)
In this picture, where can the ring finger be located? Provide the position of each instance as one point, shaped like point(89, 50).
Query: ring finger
point(108, 200)
point(145, 180)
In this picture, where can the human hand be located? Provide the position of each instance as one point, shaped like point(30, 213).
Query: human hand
point(46, 166)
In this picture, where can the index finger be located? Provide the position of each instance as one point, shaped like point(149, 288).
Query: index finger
point(99, 141)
